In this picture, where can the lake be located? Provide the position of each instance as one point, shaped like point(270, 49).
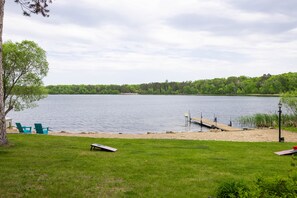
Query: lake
point(138, 113)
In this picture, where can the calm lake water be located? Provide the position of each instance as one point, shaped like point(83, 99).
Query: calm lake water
point(138, 113)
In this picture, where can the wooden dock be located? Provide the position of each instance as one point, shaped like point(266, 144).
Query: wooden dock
point(214, 125)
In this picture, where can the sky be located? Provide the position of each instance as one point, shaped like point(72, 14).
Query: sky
point(138, 41)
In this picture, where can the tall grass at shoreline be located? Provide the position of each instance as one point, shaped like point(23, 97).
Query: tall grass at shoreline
point(268, 120)
point(52, 166)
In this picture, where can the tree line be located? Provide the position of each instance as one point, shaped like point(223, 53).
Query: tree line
point(242, 85)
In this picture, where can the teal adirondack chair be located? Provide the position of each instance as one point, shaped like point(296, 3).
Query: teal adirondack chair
point(40, 130)
point(23, 129)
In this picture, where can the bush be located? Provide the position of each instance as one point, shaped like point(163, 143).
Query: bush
point(275, 187)
point(232, 189)
point(278, 187)
point(263, 187)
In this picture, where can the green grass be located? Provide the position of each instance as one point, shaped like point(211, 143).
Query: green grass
point(291, 129)
point(49, 166)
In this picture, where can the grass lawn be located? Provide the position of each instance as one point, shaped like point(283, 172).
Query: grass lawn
point(52, 166)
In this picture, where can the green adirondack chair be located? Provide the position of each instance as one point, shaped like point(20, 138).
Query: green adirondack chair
point(41, 130)
point(23, 129)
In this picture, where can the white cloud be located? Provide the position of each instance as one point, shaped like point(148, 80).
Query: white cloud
point(137, 41)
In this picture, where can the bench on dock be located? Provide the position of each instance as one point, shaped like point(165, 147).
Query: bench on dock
point(102, 147)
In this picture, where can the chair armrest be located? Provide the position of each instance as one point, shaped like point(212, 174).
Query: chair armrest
point(45, 129)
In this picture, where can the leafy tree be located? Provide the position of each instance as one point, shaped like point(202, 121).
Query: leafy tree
point(24, 67)
point(28, 6)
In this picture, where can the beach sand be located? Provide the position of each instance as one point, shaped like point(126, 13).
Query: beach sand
point(255, 135)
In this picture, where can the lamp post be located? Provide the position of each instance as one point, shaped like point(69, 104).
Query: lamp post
point(280, 139)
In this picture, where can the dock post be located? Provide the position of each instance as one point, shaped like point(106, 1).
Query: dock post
point(215, 119)
point(201, 122)
point(190, 118)
point(186, 119)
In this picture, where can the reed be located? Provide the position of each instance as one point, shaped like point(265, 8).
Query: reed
point(268, 120)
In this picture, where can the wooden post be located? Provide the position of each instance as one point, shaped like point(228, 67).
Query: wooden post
point(201, 122)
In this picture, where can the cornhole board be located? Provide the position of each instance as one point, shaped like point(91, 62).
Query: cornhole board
point(286, 152)
point(102, 147)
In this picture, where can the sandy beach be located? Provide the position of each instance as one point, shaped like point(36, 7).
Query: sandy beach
point(254, 135)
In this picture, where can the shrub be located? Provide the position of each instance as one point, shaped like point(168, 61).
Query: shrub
point(263, 187)
point(232, 189)
point(277, 187)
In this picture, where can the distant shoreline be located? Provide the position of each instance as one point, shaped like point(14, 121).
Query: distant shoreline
point(266, 84)
point(129, 94)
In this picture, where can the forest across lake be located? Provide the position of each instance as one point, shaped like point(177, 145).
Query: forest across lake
point(242, 85)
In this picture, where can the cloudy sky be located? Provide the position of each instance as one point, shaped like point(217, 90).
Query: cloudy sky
point(138, 41)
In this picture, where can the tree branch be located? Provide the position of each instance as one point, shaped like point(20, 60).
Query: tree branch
point(34, 6)
point(14, 82)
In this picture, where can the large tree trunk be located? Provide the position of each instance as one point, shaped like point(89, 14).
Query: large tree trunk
point(3, 138)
